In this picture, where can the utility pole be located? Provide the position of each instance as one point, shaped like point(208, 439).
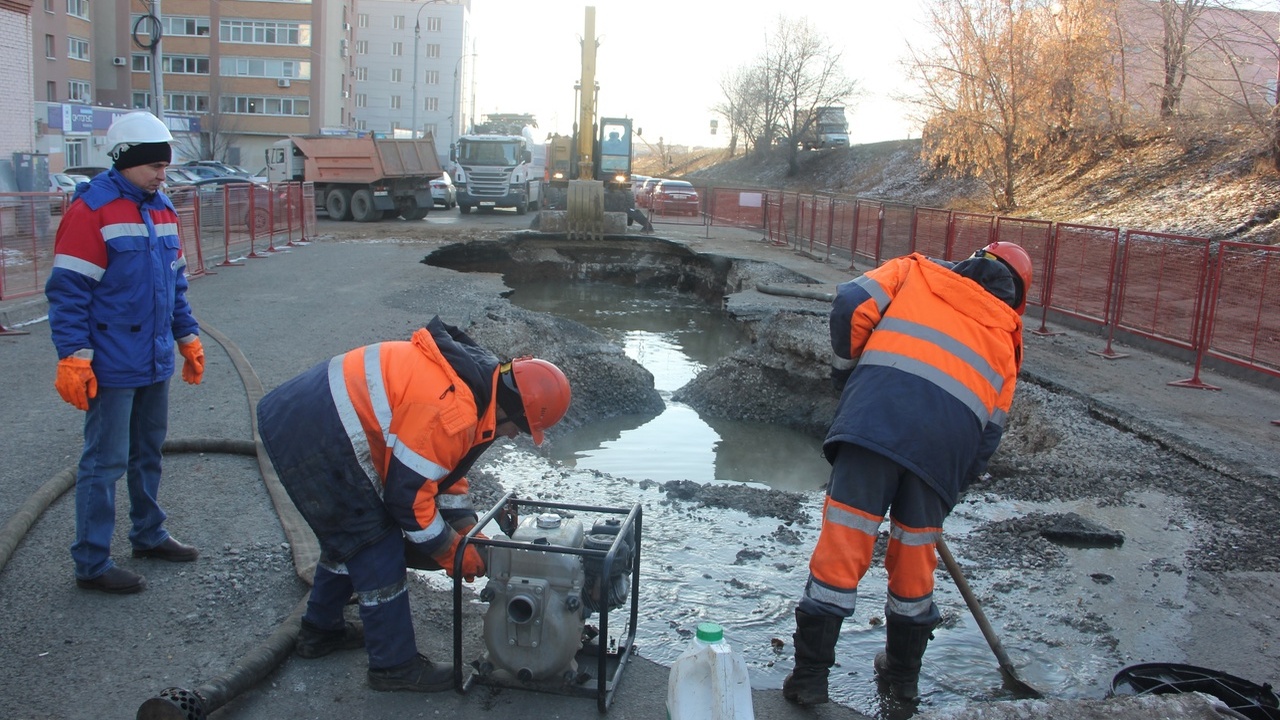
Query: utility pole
point(157, 74)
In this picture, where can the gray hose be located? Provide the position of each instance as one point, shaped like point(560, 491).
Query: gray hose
point(796, 292)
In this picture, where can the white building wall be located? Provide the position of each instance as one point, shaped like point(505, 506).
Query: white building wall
point(17, 112)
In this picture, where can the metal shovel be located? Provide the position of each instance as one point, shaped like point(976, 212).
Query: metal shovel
point(1011, 680)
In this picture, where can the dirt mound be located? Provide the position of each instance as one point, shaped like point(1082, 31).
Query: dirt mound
point(1216, 183)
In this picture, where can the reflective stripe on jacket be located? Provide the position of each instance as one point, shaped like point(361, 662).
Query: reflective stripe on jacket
point(938, 361)
point(118, 284)
point(410, 416)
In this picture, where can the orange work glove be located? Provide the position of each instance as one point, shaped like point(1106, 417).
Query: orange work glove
point(193, 367)
point(472, 563)
point(76, 382)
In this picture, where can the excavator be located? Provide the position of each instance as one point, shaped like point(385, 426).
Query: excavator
point(589, 173)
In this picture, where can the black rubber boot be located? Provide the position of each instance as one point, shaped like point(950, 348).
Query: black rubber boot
point(898, 667)
point(417, 675)
point(815, 639)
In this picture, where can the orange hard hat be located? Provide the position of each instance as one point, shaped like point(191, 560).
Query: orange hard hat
point(1017, 260)
point(544, 392)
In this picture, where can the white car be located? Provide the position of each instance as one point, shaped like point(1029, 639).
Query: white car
point(443, 192)
point(65, 184)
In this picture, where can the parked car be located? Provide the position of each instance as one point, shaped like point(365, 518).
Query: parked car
point(443, 192)
point(200, 172)
point(675, 197)
point(637, 182)
point(89, 171)
point(223, 169)
point(174, 176)
point(210, 193)
point(65, 185)
point(646, 192)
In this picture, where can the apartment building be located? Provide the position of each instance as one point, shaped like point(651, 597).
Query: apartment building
point(389, 97)
point(234, 76)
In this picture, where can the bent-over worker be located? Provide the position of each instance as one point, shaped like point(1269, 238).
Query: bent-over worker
point(373, 447)
point(938, 347)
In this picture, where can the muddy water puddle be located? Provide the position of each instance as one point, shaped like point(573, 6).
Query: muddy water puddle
point(1069, 625)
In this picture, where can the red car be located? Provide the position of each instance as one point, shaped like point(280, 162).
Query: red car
point(646, 191)
point(675, 197)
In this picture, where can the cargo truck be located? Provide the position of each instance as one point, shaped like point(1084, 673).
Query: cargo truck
point(365, 179)
point(827, 128)
point(496, 171)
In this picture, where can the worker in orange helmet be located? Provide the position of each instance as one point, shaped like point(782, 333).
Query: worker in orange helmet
point(373, 447)
point(937, 349)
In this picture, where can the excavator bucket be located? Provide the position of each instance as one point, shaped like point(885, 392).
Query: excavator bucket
point(585, 210)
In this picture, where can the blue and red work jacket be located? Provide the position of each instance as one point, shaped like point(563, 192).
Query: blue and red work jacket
point(937, 363)
point(118, 285)
point(393, 424)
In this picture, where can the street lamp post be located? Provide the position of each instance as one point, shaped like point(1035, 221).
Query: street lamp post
point(417, 36)
point(455, 120)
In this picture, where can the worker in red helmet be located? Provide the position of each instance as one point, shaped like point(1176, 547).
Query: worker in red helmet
point(937, 349)
point(373, 446)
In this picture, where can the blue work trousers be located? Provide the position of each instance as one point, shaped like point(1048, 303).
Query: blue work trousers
point(376, 574)
point(123, 431)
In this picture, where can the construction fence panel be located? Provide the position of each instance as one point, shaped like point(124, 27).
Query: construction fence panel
point(931, 232)
point(1163, 286)
point(969, 232)
point(867, 216)
point(1244, 317)
point(844, 226)
point(1081, 278)
point(27, 228)
point(734, 207)
point(895, 230)
point(1036, 237)
point(308, 190)
point(820, 228)
point(184, 202)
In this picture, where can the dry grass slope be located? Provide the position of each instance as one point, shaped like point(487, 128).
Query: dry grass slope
point(1214, 183)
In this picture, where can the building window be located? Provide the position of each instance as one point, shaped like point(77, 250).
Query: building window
point(77, 48)
point(395, 75)
point(259, 105)
point(265, 32)
point(51, 91)
point(433, 77)
point(78, 91)
point(73, 152)
point(397, 49)
point(429, 129)
point(49, 47)
point(185, 26)
point(184, 65)
point(186, 102)
point(433, 24)
point(362, 20)
point(264, 68)
point(140, 62)
point(395, 102)
point(141, 100)
point(362, 74)
point(431, 104)
point(362, 47)
point(360, 125)
point(48, 7)
point(397, 22)
point(362, 100)
point(433, 50)
point(78, 8)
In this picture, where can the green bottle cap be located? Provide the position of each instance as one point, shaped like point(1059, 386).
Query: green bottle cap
point(710, 632)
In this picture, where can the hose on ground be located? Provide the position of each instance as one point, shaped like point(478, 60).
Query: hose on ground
point(796, 292)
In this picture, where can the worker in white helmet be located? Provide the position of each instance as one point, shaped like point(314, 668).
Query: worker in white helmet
point(117, 308)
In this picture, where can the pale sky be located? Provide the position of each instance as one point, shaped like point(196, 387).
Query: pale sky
point(660, 62)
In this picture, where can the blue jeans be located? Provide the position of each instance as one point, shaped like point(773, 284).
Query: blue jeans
point(123, 431)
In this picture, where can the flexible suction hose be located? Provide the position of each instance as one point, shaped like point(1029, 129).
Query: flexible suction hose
point(178, 703)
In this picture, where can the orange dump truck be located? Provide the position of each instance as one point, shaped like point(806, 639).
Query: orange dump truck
point(360, 178)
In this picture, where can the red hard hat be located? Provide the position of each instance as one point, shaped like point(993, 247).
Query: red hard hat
point(1017, 259)
point(544, 392)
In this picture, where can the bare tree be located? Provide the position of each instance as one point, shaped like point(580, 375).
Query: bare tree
point(981, 110)
point(1178, 18)
point(737, 106)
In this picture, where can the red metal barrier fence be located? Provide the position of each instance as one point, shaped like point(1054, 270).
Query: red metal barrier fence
point(1172, 289)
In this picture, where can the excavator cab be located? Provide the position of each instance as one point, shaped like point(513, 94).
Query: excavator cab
point(613, 148)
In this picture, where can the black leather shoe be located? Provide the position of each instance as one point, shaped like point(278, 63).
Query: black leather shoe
point(116, 581)
point(313, 642)
point(417, 675)
point(170, 550)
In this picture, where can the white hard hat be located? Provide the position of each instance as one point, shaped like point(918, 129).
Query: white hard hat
point(136, 128)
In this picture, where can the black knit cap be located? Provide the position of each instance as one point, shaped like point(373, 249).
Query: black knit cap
point(144, 154)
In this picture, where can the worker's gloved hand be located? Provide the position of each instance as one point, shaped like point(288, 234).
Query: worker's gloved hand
point(472, 564)
point(193, 361)
point(76, 382)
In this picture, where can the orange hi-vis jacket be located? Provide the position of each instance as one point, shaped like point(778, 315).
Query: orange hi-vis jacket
point(404, 419)
point(937, 363)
